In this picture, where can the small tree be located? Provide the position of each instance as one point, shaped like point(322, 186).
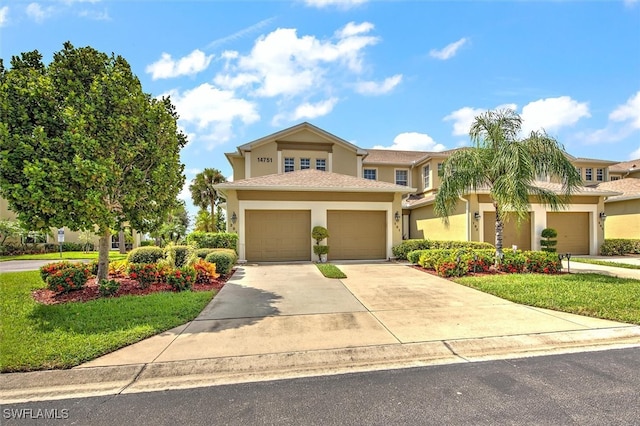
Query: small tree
point(319, 233)
point(547, 243)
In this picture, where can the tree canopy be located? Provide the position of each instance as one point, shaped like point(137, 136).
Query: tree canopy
point(508, 167)
point(205, 196)
point(82, 146)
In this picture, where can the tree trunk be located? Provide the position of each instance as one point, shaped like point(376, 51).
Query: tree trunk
point(214, 225)
point(122, 242)
point(499, 229)
point(103, 255)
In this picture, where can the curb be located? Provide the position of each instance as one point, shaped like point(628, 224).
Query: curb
point(99, 381)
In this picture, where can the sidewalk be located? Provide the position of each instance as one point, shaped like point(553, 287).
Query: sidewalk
point(283, 321)
point(607, 270)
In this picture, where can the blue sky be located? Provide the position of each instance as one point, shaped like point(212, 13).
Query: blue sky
point(395, 74)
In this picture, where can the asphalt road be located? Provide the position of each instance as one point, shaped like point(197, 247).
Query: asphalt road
point(593, 388)
point(28, 265)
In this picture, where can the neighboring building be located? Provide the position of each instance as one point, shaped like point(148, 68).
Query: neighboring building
point(623, 211)
point(626, 169)
point(369, 200)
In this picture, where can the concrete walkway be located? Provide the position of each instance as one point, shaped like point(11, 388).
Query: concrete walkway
point(607, 270)
point(281, 321)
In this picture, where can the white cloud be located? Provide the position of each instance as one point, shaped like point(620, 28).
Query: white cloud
point(4, 13)
point(95, 15)
point(309, 110)
point(629, 112)
point(37, 13)
point(630, 3)
point(635, 154)
point(213, 112)
point(375, 88)
point(551, 114)
point(413, 141)
point(449, 50)
point(283, 64)
point(343, 4)
point(167, 67)
point(462, 119)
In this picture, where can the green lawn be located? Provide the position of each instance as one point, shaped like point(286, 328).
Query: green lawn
point(66, 255)
point(36, 337)
point(605, 263)
point(330, 271)
point(592, 295)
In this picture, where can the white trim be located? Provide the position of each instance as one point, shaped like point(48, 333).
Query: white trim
point(359, 172)
point(280, 162)
point(330, 162)
point(395, 181)
point(370, 168)
point(539, 222)
point(318, 216)
point(247, 164)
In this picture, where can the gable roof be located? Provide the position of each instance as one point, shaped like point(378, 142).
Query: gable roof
point(627, 189)
point(313, 180)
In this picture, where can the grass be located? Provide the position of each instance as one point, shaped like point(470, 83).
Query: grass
point(37, 337)
point(330, 271)
point(605, 263)
point(66, 255)
point(594, 295)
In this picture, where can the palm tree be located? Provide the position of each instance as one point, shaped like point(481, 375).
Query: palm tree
point(507, 167)
point(203, 193)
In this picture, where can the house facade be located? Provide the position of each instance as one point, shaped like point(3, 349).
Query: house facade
point(286, 183)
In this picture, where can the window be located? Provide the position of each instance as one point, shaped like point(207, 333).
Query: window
point(371, 174)
point(588, 174)
point(321, 164)
point(289, 165)
point(439, 169)
point(600, 175)
point(615, 177)
point(305, 163)
point(402, 178)
point(426, 173)
point(579, 170)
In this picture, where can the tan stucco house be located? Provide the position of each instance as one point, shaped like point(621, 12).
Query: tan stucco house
point(623, 211)
point(286, 183)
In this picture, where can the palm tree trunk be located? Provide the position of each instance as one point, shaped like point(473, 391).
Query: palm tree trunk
point(499, 231)
point(214, 227)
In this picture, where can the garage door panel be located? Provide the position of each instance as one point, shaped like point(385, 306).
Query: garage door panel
point(277, 235)
point(513, 233)
point(573, 231)
point(356, 234)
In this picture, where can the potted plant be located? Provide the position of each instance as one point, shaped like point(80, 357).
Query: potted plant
point(319, 233)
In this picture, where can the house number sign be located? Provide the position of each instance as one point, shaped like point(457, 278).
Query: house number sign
point(265, 160)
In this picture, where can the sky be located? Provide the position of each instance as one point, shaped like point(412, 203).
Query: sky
point(408, 75)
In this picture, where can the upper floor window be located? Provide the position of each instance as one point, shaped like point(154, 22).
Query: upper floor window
point(615, 177)
point(321, 164)
point(600, 175)
point(289, 165)
point(588, 174)
point(371, 174)
point(305, 163)
point(579, 170)
point(427, 176)
point(402, 177)
point(439, 169)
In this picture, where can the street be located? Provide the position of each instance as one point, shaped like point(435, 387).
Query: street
point(591, 388)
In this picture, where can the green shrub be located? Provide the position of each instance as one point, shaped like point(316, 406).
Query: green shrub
point(542, 262)
point(181, 279)
point(108, 288)
point(203, 252)
point(178, 255)
point(69, 246)
point(464, 260)
point(145, 255)
point(319, 233)
point(205, 271)
point(620, 246)
point(144, 273)
point(548, 243)
point(402, 250)
point(52, 268)
point(68, 279)
point(147, 243)
point(512, 262)
point(200, 239)
point(414, 256)
point(224, 261)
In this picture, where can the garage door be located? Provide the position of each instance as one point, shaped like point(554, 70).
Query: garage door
point(357, 234)
point(514, 233)
point(573, 231)
point(277, 235)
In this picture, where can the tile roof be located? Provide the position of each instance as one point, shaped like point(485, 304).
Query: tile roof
point(625, 166)
point(629, 187)
point(406, 158)
point(313, 180)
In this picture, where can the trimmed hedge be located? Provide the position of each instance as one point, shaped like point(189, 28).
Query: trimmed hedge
point(619, 247)
point(178, 255)
point(201, 240)
point(223, 259)
point(145, 255)
point(402, 250)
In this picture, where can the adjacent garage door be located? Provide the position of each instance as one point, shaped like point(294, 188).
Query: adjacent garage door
point(277, 235)
point(514, 233)
point(573, 231)
point(357, 234)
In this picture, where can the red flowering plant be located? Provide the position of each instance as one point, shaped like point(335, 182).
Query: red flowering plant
point(144, 273)
point(542, 262)
point(68, 279)
point(52, 268)
point(205, 271)
point(182, 278)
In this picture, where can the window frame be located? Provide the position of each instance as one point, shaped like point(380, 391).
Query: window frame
point(375, 173)
point(292, 166)
point(426, 176)
point(588, 174)
point(599, 175)
point(406, 172)
point(307, 166)
point(324, 162)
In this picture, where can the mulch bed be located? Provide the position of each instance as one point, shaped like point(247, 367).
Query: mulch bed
point(127, 287)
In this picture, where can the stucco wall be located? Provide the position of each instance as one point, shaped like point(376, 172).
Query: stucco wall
point(623, 219)
point(344, 161)
point(425, 224)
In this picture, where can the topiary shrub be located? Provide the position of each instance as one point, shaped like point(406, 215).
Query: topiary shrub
point(200, 239)
point(145, 255)
point(224, 261)
point(548, 243)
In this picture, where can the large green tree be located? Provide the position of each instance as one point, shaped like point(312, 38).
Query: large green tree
point(174, 227)
point(204, 195)
point(508, 167)
point(82, 146)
